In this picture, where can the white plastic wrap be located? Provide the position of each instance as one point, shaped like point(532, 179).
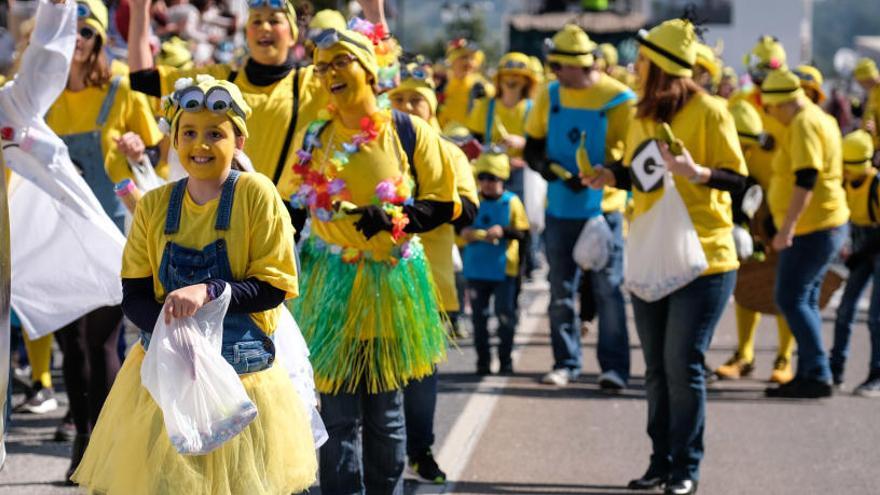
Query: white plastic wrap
point(663, 252)
point(535, 199)
point(593, 247)
point(202, 399)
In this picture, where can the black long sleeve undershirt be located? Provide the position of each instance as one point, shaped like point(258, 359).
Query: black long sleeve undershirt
point(467, 217)
point(425, 215)
point(146, 81)
point(722, 179)
point(248, 296)
point(806, 178)
point(535, 154)
point(513, 234)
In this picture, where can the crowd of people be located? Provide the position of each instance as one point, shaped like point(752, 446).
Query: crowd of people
point(380, 198)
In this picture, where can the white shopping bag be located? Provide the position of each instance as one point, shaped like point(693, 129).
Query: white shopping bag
point(535, 200)
point(145, 176)
point(593, 247)
point(663, 252)
point(202, 399)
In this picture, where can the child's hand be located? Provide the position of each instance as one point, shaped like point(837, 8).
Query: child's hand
point(184, 302)
point(467, 234)
point(494, 233)
point(517, 163)
point(131, 145)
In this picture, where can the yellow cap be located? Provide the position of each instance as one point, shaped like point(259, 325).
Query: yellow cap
point(571, 46)
point(238, 112)
point(866, 69)
point(460, 47)
point(493, 162)
point(289, 11)
point(748, 122)
point(672, 46)
point(858, 148)
point(94, 12)
point(608, 53)
point(706, 59)
point(781, 86)
point(175, 53)
point(327, 19)
point(356, 44)
point(767, 53)
point(811, 78)
point(410, 80)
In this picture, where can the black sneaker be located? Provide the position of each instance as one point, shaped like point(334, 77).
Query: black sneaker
point(681, 487)
point(427, 469)
point(871, 387)
point(801, 388)
point(66, 431)
point(505, 369)
point(483, 369)
point(652, 479)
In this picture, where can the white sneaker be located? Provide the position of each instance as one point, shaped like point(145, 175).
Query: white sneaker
point(610, 381)
point(558, 377)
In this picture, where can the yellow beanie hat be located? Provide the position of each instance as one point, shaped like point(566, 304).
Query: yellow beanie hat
point(95, 15)
point(493, 162)
point(571, 46)
point(175, 53)
point(327, 19)
point(781, 86)
point(414, 77)
point(238, 112)
point(706, 59)
point(515, 63)
point(672, 46)
point(866, 69)
point(812, 78)
point(858, 149)
point(355, 43)
point(289, 11)
point(748, 122)
point(460, 47)
point(767, 53)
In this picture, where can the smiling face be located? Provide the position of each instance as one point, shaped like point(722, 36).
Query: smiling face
point(413, 103)
point(344, 79)
point(513, 83)
point(206, 143)
point(269, 37)
point(84, 45)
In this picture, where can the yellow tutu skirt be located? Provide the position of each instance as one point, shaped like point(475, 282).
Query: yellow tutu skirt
point(130, 453)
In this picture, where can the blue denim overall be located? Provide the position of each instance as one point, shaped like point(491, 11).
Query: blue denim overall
point(567, 212)
point(245, 346)
point(484, 260)
point(87, 154)
point(516, 182)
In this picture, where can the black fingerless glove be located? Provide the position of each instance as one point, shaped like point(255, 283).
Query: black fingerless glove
point(373, 220)
point(574, 184)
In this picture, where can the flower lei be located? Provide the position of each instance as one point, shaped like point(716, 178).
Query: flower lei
point(387, 49)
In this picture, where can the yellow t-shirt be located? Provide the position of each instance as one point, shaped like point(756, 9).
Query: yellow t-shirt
point(872, 113)
point(518, 221)
point(259, 240)
point(513, 120)
point(76, 112)
point(378, 160)
point(438, 243)
point(707, 130)
point(272, 106)
point(858, 199)
point(812, 140)
point(457, 96)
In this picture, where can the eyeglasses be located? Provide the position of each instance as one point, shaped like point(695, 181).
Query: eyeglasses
point(340, 62)
point(329, 37)
point(272, 4)
point(87, 33)
point(216, 100)
point(485, 176)
point(83, 11)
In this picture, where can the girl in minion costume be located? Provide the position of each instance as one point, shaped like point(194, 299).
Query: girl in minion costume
point(464, 85)
point(862, 185)
point(234, 226)
point(370, 179)
point(809, 210)
point(676, 330)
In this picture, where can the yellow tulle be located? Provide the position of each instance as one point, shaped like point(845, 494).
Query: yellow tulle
point(130, 453)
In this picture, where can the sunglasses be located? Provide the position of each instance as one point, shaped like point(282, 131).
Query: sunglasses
point(272, 4)
point(329, 37)
point(87, 33)
point(216, 100)
point(484, 176)
point(338, 63)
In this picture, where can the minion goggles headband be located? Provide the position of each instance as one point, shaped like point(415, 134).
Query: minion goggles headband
point(513, 64)
point(272, 4)
point(417, 74)
point(216, 100)
point(83, 11)
point(642, 38)
point(329, 37)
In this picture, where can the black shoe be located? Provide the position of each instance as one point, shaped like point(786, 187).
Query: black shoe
point(651, 480)
point(66, 431)
point(505, 369)
point(483, 369)
point(681, 487)
point(79, 449)
point(427, 469)
point(801, 388)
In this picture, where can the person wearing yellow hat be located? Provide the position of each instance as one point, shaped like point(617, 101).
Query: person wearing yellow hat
point(415, 96)
point(371, 179)
point(464, 84)
point(491, 258)
point(741, 364)
point(809, 210)
point(868, 77)
point(585, 112)
point(130, 449)
point(707, 68)
point(607, 61)
point(705, 168)
point(729, 83)
point(862, 186)
point(811, 82)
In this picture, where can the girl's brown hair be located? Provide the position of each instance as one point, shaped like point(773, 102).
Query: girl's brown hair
point(96, 65)
point(664, 95)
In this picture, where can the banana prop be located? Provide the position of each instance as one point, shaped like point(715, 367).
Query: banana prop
point(344, 208)
point(560, 171)
point(481, 234)
point(583, 159)
point(665, 135)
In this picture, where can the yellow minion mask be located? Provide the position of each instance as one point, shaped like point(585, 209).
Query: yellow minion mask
point(811, 78)
point(866, 69)
point(494, 163)
point(781, 86)
point(672, 46)
point(571, 46)
point(858, 149)
point(94, 14)
point(206, 94)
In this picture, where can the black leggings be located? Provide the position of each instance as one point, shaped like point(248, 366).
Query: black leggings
point(91, 362)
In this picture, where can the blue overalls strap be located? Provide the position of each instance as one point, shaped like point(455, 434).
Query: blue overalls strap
point(621, 97)
point(406, 132)
point(107, 104)
point(553, 89)
point(490, 121)
point(529, 105)
point(224, 209)
point(175, 203)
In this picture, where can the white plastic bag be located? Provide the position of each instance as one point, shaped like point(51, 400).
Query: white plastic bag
point(593, 247)
point(145, 176)
point(202, 399)
point(535, 200)
point(663, 252)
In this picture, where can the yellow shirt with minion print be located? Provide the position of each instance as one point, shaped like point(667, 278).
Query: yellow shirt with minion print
point(272, 107)
point(457, 98)
point(707, 130)
point(259, 240)
point(811, 141)
point(77, 112)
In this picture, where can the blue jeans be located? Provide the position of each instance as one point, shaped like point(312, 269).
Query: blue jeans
point(675, 333)
point(859, 276)
point(799, 276)
point(612, 351)
point(419, 405)
point(355, 462)
point(504, 292)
